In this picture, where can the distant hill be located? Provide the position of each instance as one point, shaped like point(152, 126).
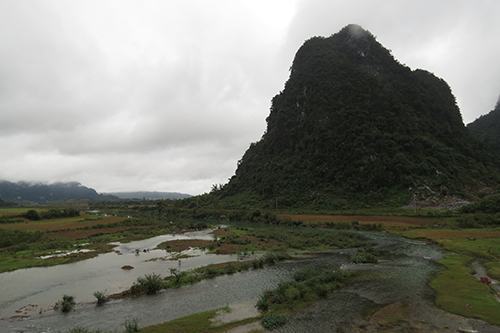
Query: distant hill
point(25, 192)
point(354, 127)
point(4, 203)
point(149, 195)
point(486, 129)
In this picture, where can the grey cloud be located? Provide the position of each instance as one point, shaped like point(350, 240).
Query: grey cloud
point(167, 95)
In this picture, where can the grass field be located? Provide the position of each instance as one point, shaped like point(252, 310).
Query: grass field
point(483, 244)
point(197, 323)
point(16, 211)
point(66, 223)
point(459, 292)
point(23, 242)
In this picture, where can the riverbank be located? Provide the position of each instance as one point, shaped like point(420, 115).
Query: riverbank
point(458, 289)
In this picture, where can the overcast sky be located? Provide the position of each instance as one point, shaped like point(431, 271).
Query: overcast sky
point(167, 95)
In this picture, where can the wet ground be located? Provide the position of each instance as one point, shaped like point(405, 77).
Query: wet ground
point(391, 296)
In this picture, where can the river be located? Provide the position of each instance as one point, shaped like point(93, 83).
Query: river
point(400, 279)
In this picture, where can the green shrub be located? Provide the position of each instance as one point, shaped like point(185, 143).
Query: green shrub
point(16, 238)
point(101, 297)
point(32, 215)
point(58, 213)
point(308, 285)
point(271, 322)
point(131, 326)
point(488, 204)
point(66, 304)
point(365, 256)
point(84, 330)
point(150, 284)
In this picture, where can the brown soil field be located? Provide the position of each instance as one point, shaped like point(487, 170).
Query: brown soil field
point(85, 233)
point(60, 224)
point(227, 247)
point(179, 245)
point(400, 221)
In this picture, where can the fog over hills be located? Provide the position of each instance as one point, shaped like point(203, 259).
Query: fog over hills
point(23, 192)
point(149, 195)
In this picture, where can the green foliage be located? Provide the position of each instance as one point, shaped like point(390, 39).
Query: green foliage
point(272, 321)
point(100, 297)
point(66, 304)
point(131, 326)
point(32, 215)
point(178, 278)
point(365, 256)
point(355, 225)
point(355, 128)
point(466, 289)
point(308, 285)
point(488, 204)
point(84, 330)
point(276, 238)
point(17, 238)
point(150, 284)
point(486, 129)
point(59, 213)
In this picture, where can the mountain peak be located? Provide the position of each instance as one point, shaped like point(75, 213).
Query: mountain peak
point(354, 125)
point(355, 30)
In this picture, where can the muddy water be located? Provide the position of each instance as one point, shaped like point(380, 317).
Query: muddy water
point(37, 289)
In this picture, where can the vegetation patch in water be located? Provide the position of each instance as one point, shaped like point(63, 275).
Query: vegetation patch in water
point(66, 304)
point(101, 298)
point(273, 238)
point(273, 321)
point(365, 256)
point(308, 285)
point(151, 284)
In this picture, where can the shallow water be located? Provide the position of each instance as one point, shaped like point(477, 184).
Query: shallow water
point(401, 278)
point(38, 289)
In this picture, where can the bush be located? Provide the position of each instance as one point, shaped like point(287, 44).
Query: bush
point(84, 330)
point(17, 238)
point(272, 322)
point(365, 256)
point(131, 326)
point(489, 204)
point(150, 284)
point(66, 304)
point(101, 297)
point(264, 301)
point(32, 215)
point(58, 213)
